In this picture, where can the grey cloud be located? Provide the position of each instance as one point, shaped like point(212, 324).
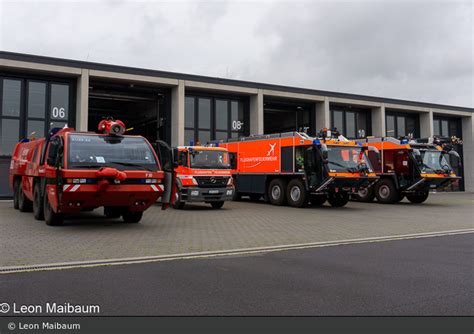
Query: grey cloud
point(412, 50)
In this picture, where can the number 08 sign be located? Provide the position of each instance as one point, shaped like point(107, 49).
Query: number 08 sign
point(58, 113)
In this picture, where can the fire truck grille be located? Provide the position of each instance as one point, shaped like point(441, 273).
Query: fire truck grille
point(212, 181)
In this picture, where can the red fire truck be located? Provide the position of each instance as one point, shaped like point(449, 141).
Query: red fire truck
point(295, 168)
point(407, 168)
point(203, 175)
point(69, 172)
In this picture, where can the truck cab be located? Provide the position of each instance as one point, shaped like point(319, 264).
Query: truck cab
point(408, 169)
point(68, 172)
point(336, 168)
point(203, 175)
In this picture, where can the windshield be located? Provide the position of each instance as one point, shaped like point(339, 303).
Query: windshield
point(434, 161)
point(346, 159)
point(122, 153)
point(208, 159)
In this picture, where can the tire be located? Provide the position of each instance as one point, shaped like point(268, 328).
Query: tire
point(418, 197)
point(38, 203)
point(338, 200)
point(386, 192)
point(255, 197)
point(318, 200)
point(217, 205)
point(50, 217)
point(365, 195)
point(132, 217)
point(16, 189)
point(296, 194)
point(24, 204)
point(178, 203)
point(277, 192)
point(112, 212)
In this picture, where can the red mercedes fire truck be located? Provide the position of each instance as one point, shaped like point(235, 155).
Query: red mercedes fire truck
point(203, 175)
point(70, 171)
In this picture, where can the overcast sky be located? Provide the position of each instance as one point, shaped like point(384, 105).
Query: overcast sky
point(416, 50)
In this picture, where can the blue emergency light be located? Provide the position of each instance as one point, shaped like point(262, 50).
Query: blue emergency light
point(404, 141)
point(316, 142)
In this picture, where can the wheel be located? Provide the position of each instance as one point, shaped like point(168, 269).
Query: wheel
point(296, 193)
point(112, 212)
point(386, 192)
point(338, 199)
point(178, 203)
point(217, 205)
point(38, 203)
point(365, 195)
point(318, 200)
point(24, 204)
point(418, 197)
point(16, 189)
point(277, 192)
point(50, 217)
point(132, 217)
point(255, 197)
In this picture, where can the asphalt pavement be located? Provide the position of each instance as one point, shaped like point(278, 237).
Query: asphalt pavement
point(427, 276)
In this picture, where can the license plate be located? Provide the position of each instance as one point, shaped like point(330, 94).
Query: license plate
point(213, 191)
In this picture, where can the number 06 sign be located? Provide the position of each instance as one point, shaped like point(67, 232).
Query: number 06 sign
point(58, 112)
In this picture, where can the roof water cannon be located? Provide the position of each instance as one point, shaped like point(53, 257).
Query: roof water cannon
point(111, 127)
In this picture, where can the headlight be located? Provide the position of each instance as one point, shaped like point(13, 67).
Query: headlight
point(195, 193)
point(151, 181)
point(188, 177)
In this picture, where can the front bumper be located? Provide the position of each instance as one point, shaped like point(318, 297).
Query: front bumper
point(196, 194)
point(427, 183)
point(346, 184)
point(74, 198)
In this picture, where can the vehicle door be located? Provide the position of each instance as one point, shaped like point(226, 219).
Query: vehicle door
point(53, 175)
point(169, 161)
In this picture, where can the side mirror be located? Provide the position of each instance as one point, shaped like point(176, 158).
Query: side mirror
point(165, 155)
point(456, 155)
point(182, 159)
point(417, 155)
point(324, 152)
point(175, 158)
point(233, 160)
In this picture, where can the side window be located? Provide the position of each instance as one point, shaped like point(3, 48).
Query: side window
point(35, 154)
point(53, 151)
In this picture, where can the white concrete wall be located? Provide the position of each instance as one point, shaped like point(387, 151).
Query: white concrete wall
point(82, 101)
point(426, 124)
point(323, 115)
point(256, 113)
point(378, 121)
point(177, 114)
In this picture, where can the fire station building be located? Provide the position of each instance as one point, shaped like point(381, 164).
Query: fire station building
point(37, 93)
